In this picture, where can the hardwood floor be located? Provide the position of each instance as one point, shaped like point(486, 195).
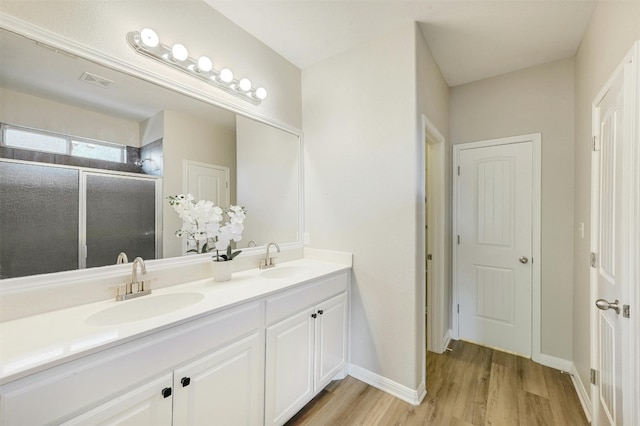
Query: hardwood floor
point(471, 385)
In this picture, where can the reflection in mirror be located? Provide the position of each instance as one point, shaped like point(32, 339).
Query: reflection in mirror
point(188, 146)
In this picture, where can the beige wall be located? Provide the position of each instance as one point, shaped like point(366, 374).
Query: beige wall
point(537, 99)
point(361, 179)
point(614, 26)
point(26, 110)
point(189, 138)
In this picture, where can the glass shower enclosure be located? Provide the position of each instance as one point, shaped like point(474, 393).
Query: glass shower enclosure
point(57, 218)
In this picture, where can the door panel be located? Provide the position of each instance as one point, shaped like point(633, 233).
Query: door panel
point(610, 253)
point(38, 219)
point(493, 267)
point(113, 226)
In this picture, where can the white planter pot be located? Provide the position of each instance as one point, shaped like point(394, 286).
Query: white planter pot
point(222, 270)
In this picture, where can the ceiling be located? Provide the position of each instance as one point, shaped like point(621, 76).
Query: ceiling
point(469, 39)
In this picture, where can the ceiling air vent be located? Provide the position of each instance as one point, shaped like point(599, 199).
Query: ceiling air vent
point(96, 80)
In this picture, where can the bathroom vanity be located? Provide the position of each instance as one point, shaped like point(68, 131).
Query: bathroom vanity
point(250, 351)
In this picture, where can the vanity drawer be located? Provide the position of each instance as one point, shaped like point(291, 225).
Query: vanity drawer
point(67, 390)
point(290, 302)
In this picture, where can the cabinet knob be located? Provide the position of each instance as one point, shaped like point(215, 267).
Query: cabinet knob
point(314, 315)
point(166, 392)
point(185, 381)
point(320, 311)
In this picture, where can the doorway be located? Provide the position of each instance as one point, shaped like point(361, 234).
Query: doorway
point(436, 254)
point(496, 240)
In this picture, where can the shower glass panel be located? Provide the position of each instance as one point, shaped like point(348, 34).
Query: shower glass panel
point(121, 217)
point(38, 219)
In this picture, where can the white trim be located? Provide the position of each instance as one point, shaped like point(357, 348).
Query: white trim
point(583, 395)
point(412, 396)
point(446, 339)
point(555, 362)
point(436, 322)
point(536, 140)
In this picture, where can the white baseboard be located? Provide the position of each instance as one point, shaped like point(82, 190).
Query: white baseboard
point(554, 362)
point(446, 339)
point(583, 394)
point(412, 396)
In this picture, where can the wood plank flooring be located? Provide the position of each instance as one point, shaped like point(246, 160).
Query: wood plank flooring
point(471, 385)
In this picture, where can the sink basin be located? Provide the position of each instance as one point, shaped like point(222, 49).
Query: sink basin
point(143, 308)
point(284, 271)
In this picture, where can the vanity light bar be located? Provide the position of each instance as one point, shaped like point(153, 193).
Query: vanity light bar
point(147, 43)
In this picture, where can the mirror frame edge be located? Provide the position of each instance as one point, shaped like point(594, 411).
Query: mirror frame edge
point(49, 38)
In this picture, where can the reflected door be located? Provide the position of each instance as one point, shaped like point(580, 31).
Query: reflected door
point(120, 217)
point(207, 182)
point(38, 219)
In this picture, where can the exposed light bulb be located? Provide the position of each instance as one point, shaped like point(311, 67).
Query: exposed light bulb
point(204, 64)
point(245, 84)
point(261, 93)
point(179, 52)
point(226, 75)
point(149, 38)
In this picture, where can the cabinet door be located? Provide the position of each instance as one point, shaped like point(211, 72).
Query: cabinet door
point(289, 367)
point(223, 388)
point(144, 406)
point(330, 339)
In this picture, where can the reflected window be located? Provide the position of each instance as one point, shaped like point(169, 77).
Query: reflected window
point(38, 140)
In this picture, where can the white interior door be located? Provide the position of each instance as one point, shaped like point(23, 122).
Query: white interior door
point(207, 182)
point(494, 245)
point(611, 256)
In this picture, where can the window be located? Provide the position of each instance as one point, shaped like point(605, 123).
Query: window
point(39, 140)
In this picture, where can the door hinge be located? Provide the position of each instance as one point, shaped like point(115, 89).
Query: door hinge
point(458, 170)
point(458, 308)
point(593, 378)
point(595, 144)
point(594, 260)
point(429, 257)
point(458, 239)
point(626, 311)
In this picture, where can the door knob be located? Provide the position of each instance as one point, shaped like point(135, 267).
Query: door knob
point(605, 305)
point(523, 259)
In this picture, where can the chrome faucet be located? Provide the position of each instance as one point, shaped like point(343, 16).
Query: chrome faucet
point(122, 258)
point(269, 262)
point(252, 242)
point(135, 288)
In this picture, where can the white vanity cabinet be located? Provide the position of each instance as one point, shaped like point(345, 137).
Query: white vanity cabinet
point(224, 388)
point(256, 361)
point(306, 345)
point(140, 382)
point(149, 404)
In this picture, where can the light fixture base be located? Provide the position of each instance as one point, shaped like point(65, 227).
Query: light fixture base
point(162, 53)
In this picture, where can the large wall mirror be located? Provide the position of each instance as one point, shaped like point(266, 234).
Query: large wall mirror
point(181, 142)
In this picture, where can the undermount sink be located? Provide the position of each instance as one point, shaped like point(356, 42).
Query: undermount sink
point(284, 271)
point(143, 308)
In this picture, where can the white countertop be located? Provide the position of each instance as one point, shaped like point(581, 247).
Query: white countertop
point(32, 344)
